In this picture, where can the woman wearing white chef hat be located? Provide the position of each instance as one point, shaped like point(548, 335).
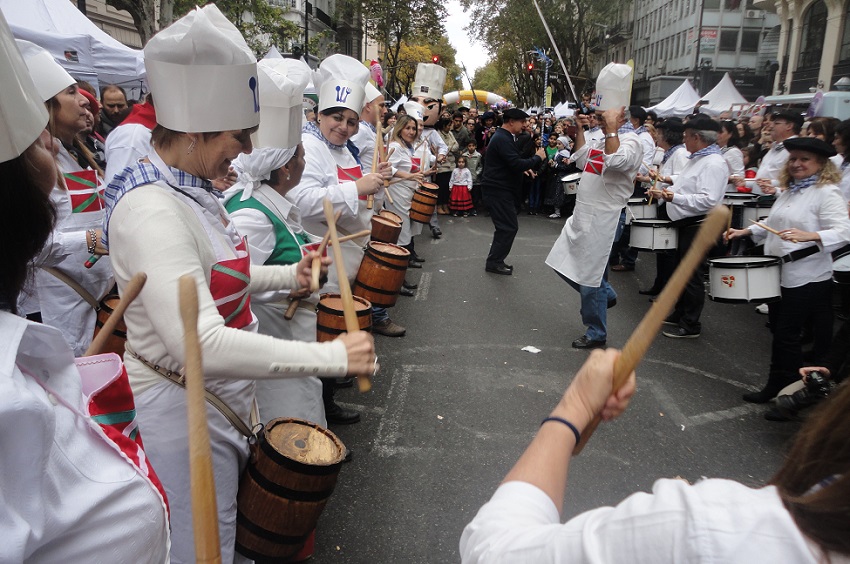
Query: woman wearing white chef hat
point(165, 220)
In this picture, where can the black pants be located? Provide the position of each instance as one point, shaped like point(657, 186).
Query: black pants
point(811, 302)
point(442, 180)
point(689, 307)
point(504, 215)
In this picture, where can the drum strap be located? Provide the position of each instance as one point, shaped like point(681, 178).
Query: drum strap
point(800, 254)
point(215, 401)
point(87, 297)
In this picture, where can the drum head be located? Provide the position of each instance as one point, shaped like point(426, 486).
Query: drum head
point(304, 442)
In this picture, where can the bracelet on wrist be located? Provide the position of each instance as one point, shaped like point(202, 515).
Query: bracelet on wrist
point(91, 241)
point(567, 423)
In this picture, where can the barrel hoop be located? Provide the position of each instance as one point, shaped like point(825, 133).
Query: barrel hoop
point(374, 290)
point(336, 312)
point(243, 521)
point(295, 466)
point(382, 262)
point(336, 331)
point(284, 492)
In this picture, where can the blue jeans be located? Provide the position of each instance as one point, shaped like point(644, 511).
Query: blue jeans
point(379, 314)
point(594, 306)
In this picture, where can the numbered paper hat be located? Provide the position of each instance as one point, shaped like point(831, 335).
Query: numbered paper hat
point(613, 87)
point(415, 110)
point(429, 81)
point(372, 93)
point(202, 74)
point(22, 113)
point(341, 81)
point(282, 82)
point(48, 76)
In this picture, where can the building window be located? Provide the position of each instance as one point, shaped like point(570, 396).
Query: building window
point(731, 5)
point(844, 54)
point(729, 40)
point(750, 41)
point(710, 4)
point(814, 28)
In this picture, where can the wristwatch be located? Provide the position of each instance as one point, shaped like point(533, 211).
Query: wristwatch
point(610, 135)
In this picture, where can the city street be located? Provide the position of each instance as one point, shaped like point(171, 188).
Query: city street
point(457, 399)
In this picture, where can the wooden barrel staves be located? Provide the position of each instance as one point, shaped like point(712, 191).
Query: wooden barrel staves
point(385, 229)
point(422, 206)
point(391, 216)
point(285, 488)
point(381, 273)
point(115, 342)
point(330, 320)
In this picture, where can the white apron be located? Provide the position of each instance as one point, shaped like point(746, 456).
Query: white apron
point(402, 191)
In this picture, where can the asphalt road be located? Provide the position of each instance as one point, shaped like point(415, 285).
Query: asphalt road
point(457, 399)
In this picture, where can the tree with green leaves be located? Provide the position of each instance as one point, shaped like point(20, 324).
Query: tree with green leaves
point(513, 28)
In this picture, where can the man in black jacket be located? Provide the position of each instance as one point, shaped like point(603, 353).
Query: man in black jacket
point(501, 181)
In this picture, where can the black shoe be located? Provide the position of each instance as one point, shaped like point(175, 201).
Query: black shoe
point(762, 396)
point(650, 292)
point(414, 264)
point(405, 292)
point(409, 285)
point(622, 268)
point(343, 382)
point(774, 414)
point(334, 413)
point(416, 258)
point(681, 333)
point(508, 266)
point(436, 233)
point(612, 303)
point(672, 319)
point(500, 269)
point(584, 343)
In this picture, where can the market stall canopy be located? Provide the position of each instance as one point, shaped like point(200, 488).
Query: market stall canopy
point(722, 97)
point(679, 103)
point(83, 49)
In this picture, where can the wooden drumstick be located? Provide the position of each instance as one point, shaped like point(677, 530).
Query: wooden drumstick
point(317, 262)
point(643, 335)
point(766, 228)
point(350, 314)
point(357, 235)
point(386, 180)
point(290, 311)
point(376, 156)
point(204, 507)
point(134, 286)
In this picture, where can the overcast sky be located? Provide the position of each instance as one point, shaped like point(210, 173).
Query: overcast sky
point(473, 55)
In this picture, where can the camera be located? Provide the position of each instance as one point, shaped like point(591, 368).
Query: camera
point(816, 389)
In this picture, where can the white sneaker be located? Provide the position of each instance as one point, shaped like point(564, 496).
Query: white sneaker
point(762, 309)
point(555, 215)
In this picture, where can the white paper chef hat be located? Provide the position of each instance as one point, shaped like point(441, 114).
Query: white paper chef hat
point(613, 87)
point(202, 74)
point(22, 113)
point(429, 81)
point(371, 93)
point(282, 82)
point(341, 82)
point(48, 76)
point(415, 110)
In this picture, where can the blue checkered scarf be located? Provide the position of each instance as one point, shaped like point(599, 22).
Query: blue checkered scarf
point(669, 152)
point(627, 128)
point(798, 185)
point(712, 149)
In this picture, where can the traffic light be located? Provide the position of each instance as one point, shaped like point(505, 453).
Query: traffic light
point(530, 67)
point(435, 59)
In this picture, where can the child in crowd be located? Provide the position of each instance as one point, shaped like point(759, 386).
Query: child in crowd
point(460, 202)
point(474, 165)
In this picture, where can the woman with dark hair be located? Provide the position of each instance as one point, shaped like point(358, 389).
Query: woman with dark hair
point(800, 516)
point(807, 222)
point(730, 146)
point(745, 133)
point(822, 128)
point(78, 200)
point(166, 220)
point(75, 488)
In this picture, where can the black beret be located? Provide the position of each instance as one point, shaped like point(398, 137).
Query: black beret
point(703, 123)
point(637, 112)
point(791, 117)
point(514, 113)
point(810, 144)
point(672, 124)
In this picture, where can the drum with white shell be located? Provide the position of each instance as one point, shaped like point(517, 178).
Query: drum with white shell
point(653, 235)
point(737, 280)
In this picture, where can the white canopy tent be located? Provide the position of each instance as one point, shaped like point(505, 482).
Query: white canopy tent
point(679, 103)
point(722, 97)
point(83, 49)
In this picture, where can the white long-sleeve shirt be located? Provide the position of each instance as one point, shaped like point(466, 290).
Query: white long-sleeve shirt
point(711, 521)
point(699, 187)
point(461, 176)
point(770, 166)
point(817, 208)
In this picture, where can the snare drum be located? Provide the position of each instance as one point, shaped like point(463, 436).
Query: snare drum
point(639, 209)
point(736, 280)
point(570, 183)
point(754, 211)
point(737, 198)
point(653, 235)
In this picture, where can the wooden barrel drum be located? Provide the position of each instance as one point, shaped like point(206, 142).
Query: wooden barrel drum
point(385, 229)
point(330, 321)
point(381, 273)
point(391, 216)
point(422, 206)
point(285, 488)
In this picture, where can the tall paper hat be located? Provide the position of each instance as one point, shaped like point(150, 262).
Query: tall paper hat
point(613, 87)
point(282, 82)
point(429, 81)
point(341, 81)
point(22, 113)
point(48, 76)
point(372, 93)
point(415, 110)
point(202, 74)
